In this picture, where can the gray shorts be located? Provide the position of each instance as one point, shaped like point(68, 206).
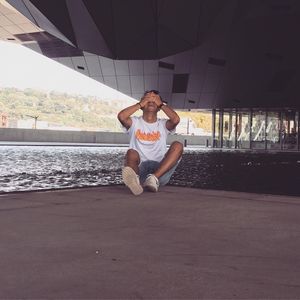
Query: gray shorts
point(150, 166)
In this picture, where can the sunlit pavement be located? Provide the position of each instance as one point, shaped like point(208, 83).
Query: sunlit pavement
point(179, 243)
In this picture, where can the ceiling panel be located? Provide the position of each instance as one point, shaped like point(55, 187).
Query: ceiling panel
point(151, 82)
point(136, 67)
point(150, 67)
point(85, 53)
point(80, 65)
point(107, 66)
point(166, 97)
point(206, 100)
point(167, 65)
point(165, 83)
point(137, 84)
point(35, 47)
point(192, 100)
point(137, 96)
point(183, 62)
point(124, 84)
point(93, 65)
point(178, 100)
point(3, 32)
point(199, 58)
point(17, 18)
point(195, 83)
point(111, 81)
point(211, 85)
point(13, 29)
point(67, 61)
point(122, 67)
point(5, 8)
point(4, 21)
point(180, 82)
point(98, 78)
point(29, 27)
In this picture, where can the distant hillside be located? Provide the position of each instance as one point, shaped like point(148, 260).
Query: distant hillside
point(87, 113)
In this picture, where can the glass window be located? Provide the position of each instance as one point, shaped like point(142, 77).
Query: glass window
point(258, 130)
point(273, 130)
point(217, 142)
point(229, 130)
point(289, 130)
point(243, 130)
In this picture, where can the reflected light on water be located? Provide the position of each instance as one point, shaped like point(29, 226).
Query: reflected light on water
point(24, 168)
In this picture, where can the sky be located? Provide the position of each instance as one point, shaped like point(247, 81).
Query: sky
point(24, 68)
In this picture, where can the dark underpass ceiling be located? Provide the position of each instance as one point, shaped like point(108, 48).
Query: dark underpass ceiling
point(199, 54)
point(133, 29)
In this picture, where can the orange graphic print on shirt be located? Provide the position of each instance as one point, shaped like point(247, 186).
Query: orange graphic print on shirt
point(150, 137)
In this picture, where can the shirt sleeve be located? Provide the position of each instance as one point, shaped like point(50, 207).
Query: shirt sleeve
point(133, 119)
point(165, 126)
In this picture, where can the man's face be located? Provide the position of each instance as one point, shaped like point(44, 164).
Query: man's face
point(151, 103)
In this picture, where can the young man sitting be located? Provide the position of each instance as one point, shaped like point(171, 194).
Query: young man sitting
point(148, 162)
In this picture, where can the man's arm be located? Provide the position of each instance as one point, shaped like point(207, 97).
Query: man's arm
point(174, 119)
point(124, 115)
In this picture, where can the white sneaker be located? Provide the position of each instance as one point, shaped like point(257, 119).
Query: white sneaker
point(151, 183)
point(132, 181)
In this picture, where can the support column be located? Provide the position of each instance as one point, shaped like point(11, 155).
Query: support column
point(250, 129)
point(213, 123)
point(280, 130)
point(236, 129)
point(221, 115)
point(230, 129)
point(266, 123)
point(298, 129)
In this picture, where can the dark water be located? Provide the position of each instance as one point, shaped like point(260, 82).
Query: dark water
point(35, 168)
point(274, 173)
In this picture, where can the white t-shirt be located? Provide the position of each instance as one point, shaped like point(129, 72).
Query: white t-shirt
point(149, 139)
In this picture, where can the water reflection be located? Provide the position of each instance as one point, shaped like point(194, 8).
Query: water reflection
point(35, 168)
point(30, 168)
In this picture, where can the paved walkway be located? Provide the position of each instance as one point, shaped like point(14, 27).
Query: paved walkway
point(179, 243)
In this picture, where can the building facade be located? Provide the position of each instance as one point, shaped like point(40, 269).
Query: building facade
point(256, 129)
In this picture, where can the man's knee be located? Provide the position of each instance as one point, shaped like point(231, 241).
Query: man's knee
point(177, 146)
point(132, 154)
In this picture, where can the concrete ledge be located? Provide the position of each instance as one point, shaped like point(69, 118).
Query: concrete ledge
point(179, 243)
point(83, 137)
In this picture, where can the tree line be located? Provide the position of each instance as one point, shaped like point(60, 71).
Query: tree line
point(84, 112)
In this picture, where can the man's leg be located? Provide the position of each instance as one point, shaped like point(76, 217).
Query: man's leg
point(170, 161)
point(130, 172)
point(132, 160)
point(171, 158)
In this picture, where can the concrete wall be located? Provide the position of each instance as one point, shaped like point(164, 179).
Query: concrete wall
point(190, 140)
point(89, 137)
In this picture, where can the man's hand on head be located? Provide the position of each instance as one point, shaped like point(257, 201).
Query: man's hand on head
point(151, 97)
point(157, 100)
point(144, 101)
point(147, 98)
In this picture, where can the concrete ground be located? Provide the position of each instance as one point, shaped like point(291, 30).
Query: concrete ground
point(103, 242)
